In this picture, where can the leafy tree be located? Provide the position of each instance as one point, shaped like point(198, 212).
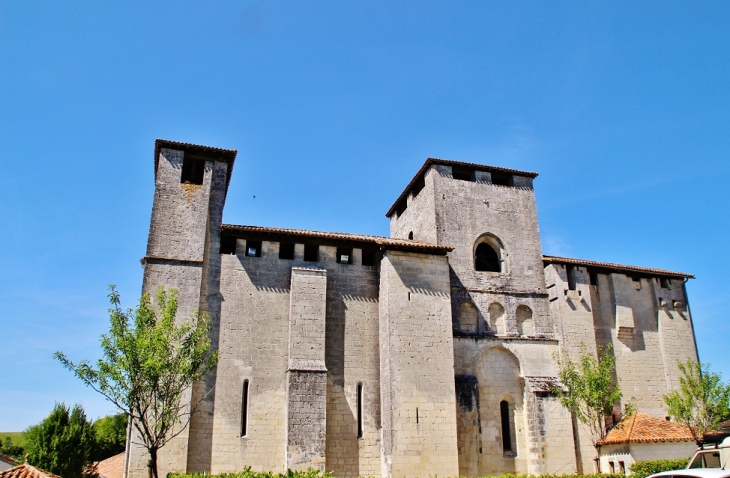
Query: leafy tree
point(111, 435)
point(63, 443)
point(592, 391)
point(702, 400)
point(148, 364)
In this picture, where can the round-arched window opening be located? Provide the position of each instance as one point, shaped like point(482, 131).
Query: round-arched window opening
point(410, 235)
point(487, 259)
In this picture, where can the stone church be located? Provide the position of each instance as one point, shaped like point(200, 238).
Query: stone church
point(429, 352)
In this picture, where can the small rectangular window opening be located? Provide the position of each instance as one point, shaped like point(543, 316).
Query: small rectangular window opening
point(462, 174)
point(253, 248)
point(612, 466)
point(344, 255)
point(359, 410)
point(368, 257)
point(500, 178)
point(418, 186)
point(286, 250)
point(666, 284)
point(228, 244)
point(593, 277)
point(570, 271)
point(193, 170)
point(244, 410)
point(621, 468)
point(311, 252)
point(636, 278)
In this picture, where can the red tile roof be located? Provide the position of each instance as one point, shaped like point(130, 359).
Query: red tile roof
point(26, 471)
point(112, 467)
point(447, 162)
point(9, 459)
point(226, 155)
point(383, 242)
point(643, 428)
point(615, 267)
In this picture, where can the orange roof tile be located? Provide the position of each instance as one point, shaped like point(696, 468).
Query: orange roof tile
point(9, 459)
point(26, 471)
point(112, 467)
point(615, 267)
point(643, 428)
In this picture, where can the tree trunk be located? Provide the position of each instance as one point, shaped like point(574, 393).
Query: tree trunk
point(597, 461)
point(152, 464)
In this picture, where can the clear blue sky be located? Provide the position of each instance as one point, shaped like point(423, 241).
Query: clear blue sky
point(622, 107)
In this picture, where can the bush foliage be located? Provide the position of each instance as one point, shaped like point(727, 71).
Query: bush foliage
point(642, 469)
point(247, 473)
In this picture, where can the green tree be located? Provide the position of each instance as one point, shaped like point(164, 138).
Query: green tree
point(13, 451)
point(63, 443)
point(702, 400)
point(148, 365)
point(591, 391)
point(111, 435)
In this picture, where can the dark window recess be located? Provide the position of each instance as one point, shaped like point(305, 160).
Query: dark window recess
point(665, 283)
point(506, 431)
point(501, 178)
point(486, 259)
point(344, 255)
point(410, 235)
point(253, 248)
point(418, 186)
point(636, 278)
point(244, 409)
point(401, 208)
point(368, 257)
point(570, 272)
point(593, 277)
point(463, 174)
point(359, 410)
point(193, 171)
point(228, 245)
point(286, 250)
point(311, 252)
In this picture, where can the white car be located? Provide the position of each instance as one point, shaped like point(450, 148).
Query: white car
point(694, 473)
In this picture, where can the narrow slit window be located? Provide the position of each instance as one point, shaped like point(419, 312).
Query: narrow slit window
point(344, 255)
point(244, 410)
point(311, 252)
point(570, 271)
point(410, 235)
point(286, 250)
point(368, 257)
point(417, 421)
point(506, 429)
point(228, 245)
point(193, 170)
point(359, 410)
point(253, 248)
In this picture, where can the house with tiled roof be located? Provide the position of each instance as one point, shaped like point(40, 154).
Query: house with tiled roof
point(112, 467)
point(26, 471)
point(7, 462)
point(642, 437)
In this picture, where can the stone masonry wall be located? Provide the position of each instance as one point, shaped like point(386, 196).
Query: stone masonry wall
point(417, 372)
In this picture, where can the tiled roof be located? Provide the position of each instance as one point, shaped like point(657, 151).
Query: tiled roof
point(382, 242)
point(227, 155)
point(643, 428)
point(615, 267)
point(112, 467)
point(26, 471)
point(9, 459)
point(447, 162)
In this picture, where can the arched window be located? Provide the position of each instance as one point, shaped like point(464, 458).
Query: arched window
point(468, 317)
point(525, 325)
point(488, 254)
point(496, 318)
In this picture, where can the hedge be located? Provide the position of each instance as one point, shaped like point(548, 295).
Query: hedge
point(247, 473)
point(642, 469)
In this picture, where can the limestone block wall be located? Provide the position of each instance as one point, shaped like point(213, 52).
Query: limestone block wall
point(176, 253)
point(419, 217)
point(417, 371)
point(254, 345)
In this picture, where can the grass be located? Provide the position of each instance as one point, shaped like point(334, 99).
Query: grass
point(18, 438)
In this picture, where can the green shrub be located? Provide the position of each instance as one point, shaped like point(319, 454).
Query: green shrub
point(592, 475)
point(642, 469)
point(247, 473)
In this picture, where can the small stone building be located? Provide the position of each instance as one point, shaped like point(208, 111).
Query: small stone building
point(643, 437)
point(429, 352)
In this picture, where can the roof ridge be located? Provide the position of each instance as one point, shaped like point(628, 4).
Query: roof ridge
point(613, 265)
